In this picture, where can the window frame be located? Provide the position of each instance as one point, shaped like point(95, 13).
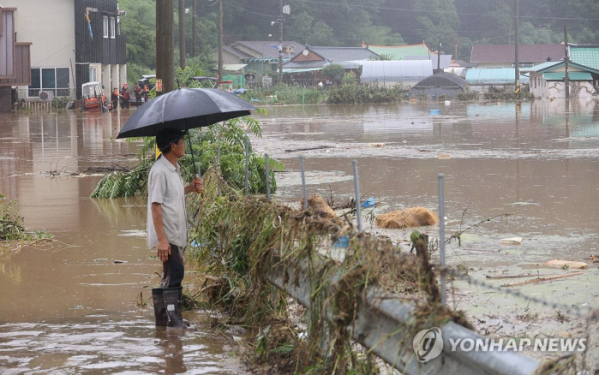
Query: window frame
point(105, 26)
point(33, 92)
point(112, 28)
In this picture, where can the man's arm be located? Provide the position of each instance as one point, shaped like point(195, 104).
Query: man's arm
point(196, 185)
point(164, 248)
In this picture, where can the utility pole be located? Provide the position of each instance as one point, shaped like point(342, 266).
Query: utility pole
point(439, 56)
point(220, 40)
point(194, 27)
point(165, 59)
point(566, 58)
point(516, 48)
point(182, 34)
point(281, 44)
point(456, 53)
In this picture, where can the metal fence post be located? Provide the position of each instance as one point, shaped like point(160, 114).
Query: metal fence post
point(267, 177)
point(304, 183)
point(247, 168)
point(442, 237)
point(357, 189)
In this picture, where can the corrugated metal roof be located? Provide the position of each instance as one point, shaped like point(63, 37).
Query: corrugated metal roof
point(233, 67)
point(300, 70)
point(501, 76)
point(400, 52)
point(236, 52)
point(340, 54)
point(527, 53)
point(572, 76)
point(267, 48)
point(585, 55)
point(396, 71)
point(304, 64)
point(539, 66)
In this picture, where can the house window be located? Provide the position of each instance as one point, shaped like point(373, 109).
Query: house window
point(93, 74)
point(54, 80)
point(105, 23)
point(112, 27)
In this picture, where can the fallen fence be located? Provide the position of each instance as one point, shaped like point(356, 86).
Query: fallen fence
point(378, 327)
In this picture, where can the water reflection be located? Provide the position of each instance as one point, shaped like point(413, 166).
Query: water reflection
point(170, 341)
point(68, 308)
point(98, 345)
point(464, 126)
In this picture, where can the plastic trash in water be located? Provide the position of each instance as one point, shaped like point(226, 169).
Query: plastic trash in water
point(341, 242)
point(196, 244)
point(435, 111)
point(368, 202)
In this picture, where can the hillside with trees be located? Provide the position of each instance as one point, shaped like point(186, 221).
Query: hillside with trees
point(459, 24)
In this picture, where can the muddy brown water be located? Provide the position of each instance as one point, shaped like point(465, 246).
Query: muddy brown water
point(67, 308)
point(535, 162)
point(70, 309)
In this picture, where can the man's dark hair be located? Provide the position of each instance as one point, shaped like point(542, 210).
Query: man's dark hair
point(166, 137)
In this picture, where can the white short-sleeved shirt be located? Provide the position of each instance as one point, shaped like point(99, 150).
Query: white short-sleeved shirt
point(165, 186)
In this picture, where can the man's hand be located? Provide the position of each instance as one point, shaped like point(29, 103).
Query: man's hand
point(164, 250)
point(196, 185)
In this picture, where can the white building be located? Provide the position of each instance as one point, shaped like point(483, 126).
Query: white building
point(73, 42)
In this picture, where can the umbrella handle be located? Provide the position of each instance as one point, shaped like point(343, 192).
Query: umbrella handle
point(192, 158)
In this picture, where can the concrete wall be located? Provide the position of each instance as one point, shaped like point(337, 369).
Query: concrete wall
point(49, 25)
point(542, 88)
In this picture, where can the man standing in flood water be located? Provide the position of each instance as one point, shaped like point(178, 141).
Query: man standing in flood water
point(167, 226)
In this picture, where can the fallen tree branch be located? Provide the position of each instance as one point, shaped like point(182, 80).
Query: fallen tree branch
point(516, 276)
point(309, 148)
point(533, 281)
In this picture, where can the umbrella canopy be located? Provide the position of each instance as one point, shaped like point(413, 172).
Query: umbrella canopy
point(184, 109)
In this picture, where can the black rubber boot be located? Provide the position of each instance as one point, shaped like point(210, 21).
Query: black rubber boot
point(172, 300)
point(159, 307)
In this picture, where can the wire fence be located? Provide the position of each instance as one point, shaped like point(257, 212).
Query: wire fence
point(447, 271)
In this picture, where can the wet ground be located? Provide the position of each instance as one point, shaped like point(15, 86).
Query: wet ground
point(535, 162)
point(66, 306)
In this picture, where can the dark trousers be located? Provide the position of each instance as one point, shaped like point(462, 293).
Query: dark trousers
point(173, 269)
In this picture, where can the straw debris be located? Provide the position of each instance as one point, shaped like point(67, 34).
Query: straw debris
point(320, 208)
point(408, 218)
point(244, 238)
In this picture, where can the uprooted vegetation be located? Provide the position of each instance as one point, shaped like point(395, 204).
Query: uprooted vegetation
point(12, 227)
point(244, 238)
point(221, 144)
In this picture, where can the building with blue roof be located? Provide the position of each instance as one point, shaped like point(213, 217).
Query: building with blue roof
point(484, 80)
point(547, 80)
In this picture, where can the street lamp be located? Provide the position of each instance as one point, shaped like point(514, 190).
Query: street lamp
point(285, 9)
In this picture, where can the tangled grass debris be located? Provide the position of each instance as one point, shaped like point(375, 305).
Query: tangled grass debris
point(244, 238)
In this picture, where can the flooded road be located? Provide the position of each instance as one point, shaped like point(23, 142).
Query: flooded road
point(67, 307)
point(533, 169)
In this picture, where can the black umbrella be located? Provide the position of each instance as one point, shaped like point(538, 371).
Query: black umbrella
point(184, 109)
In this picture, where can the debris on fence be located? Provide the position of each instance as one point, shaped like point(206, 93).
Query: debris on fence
point(408, 218)
point(320, 207)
